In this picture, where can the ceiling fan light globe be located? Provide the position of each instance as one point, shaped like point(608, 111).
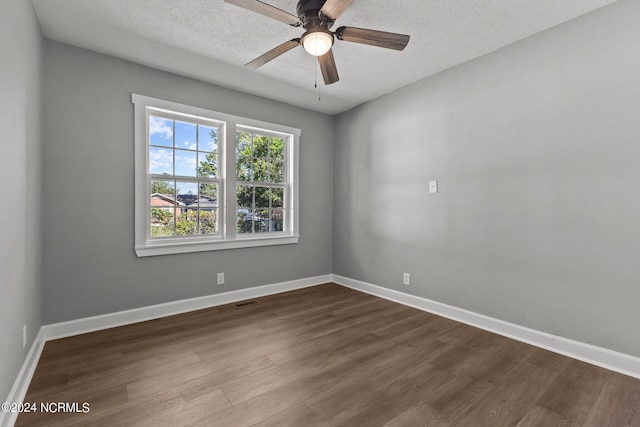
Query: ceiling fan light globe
point(317, 43)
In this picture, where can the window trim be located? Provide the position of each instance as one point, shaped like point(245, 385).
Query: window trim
point(227, 238)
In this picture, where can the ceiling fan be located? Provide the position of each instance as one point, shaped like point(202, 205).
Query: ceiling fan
point(317, 17)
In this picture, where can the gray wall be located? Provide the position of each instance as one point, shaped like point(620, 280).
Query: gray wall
point(537, 151)
point(20, 224)
point(90, 267)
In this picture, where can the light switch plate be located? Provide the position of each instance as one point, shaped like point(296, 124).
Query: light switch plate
point(433, 187)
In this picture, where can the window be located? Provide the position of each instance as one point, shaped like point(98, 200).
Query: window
point(207, 181)
point(183, 175)
point(260, 182)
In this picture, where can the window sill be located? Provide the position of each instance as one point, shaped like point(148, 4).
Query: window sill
point(167, 248)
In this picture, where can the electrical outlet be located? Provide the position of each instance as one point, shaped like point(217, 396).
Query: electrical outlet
point(24, 336)
point(220, 278)
point(406, 279)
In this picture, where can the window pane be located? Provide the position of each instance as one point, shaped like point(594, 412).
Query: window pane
point(207, 138)
point(243, 142)
point(186, 221)
point(244, 221)
point(261, 146)
point(262, 197)
point(277, 197)
point(207, 221)
point(160, 161)
point(186, 162)
point(244, 196)
point(186, 135)
point(277, 171)
point(260, 170)
point(162, 221)
point(208, 195)
point(261, 221)
point(277, 220)
point(208, 164)
point(243, 169)
point(163, 193)
point(276, 148)
point(187, 194)
point(160, 131)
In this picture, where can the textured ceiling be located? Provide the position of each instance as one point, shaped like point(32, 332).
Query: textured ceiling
point(211, 40)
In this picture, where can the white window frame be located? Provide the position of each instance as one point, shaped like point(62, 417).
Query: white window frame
point(226, 238)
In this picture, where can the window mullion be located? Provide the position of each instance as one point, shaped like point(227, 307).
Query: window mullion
point(230, 183)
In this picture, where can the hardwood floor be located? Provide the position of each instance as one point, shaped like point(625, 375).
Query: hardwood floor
point(325, 355)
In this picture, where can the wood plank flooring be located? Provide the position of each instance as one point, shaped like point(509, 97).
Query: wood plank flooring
point(321, 356)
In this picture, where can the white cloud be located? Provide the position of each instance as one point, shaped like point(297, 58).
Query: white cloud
point(159, 126)
point(160, 160)
point(190, 145)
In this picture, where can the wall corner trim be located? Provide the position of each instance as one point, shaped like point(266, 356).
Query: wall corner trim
point(599, 356)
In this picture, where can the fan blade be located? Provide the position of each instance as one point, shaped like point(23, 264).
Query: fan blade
point(373, 37)
point(267, 10)
point(328, 67)
point(332, 9)
point(272, 54)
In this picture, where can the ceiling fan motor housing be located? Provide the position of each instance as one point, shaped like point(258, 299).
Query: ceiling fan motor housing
point(309, 13)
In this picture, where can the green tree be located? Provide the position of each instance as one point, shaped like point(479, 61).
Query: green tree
point(208, 222)
point(186, 223)
point(161, 222)
point(209, 166)
point(196, 221)
point(162, 187)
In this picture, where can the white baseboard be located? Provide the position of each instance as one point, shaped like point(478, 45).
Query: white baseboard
point(608, 359)
point(605, 358)
point(127, 317)
point(21, 385)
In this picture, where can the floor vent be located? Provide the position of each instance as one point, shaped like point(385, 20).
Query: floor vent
point(245, 303)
